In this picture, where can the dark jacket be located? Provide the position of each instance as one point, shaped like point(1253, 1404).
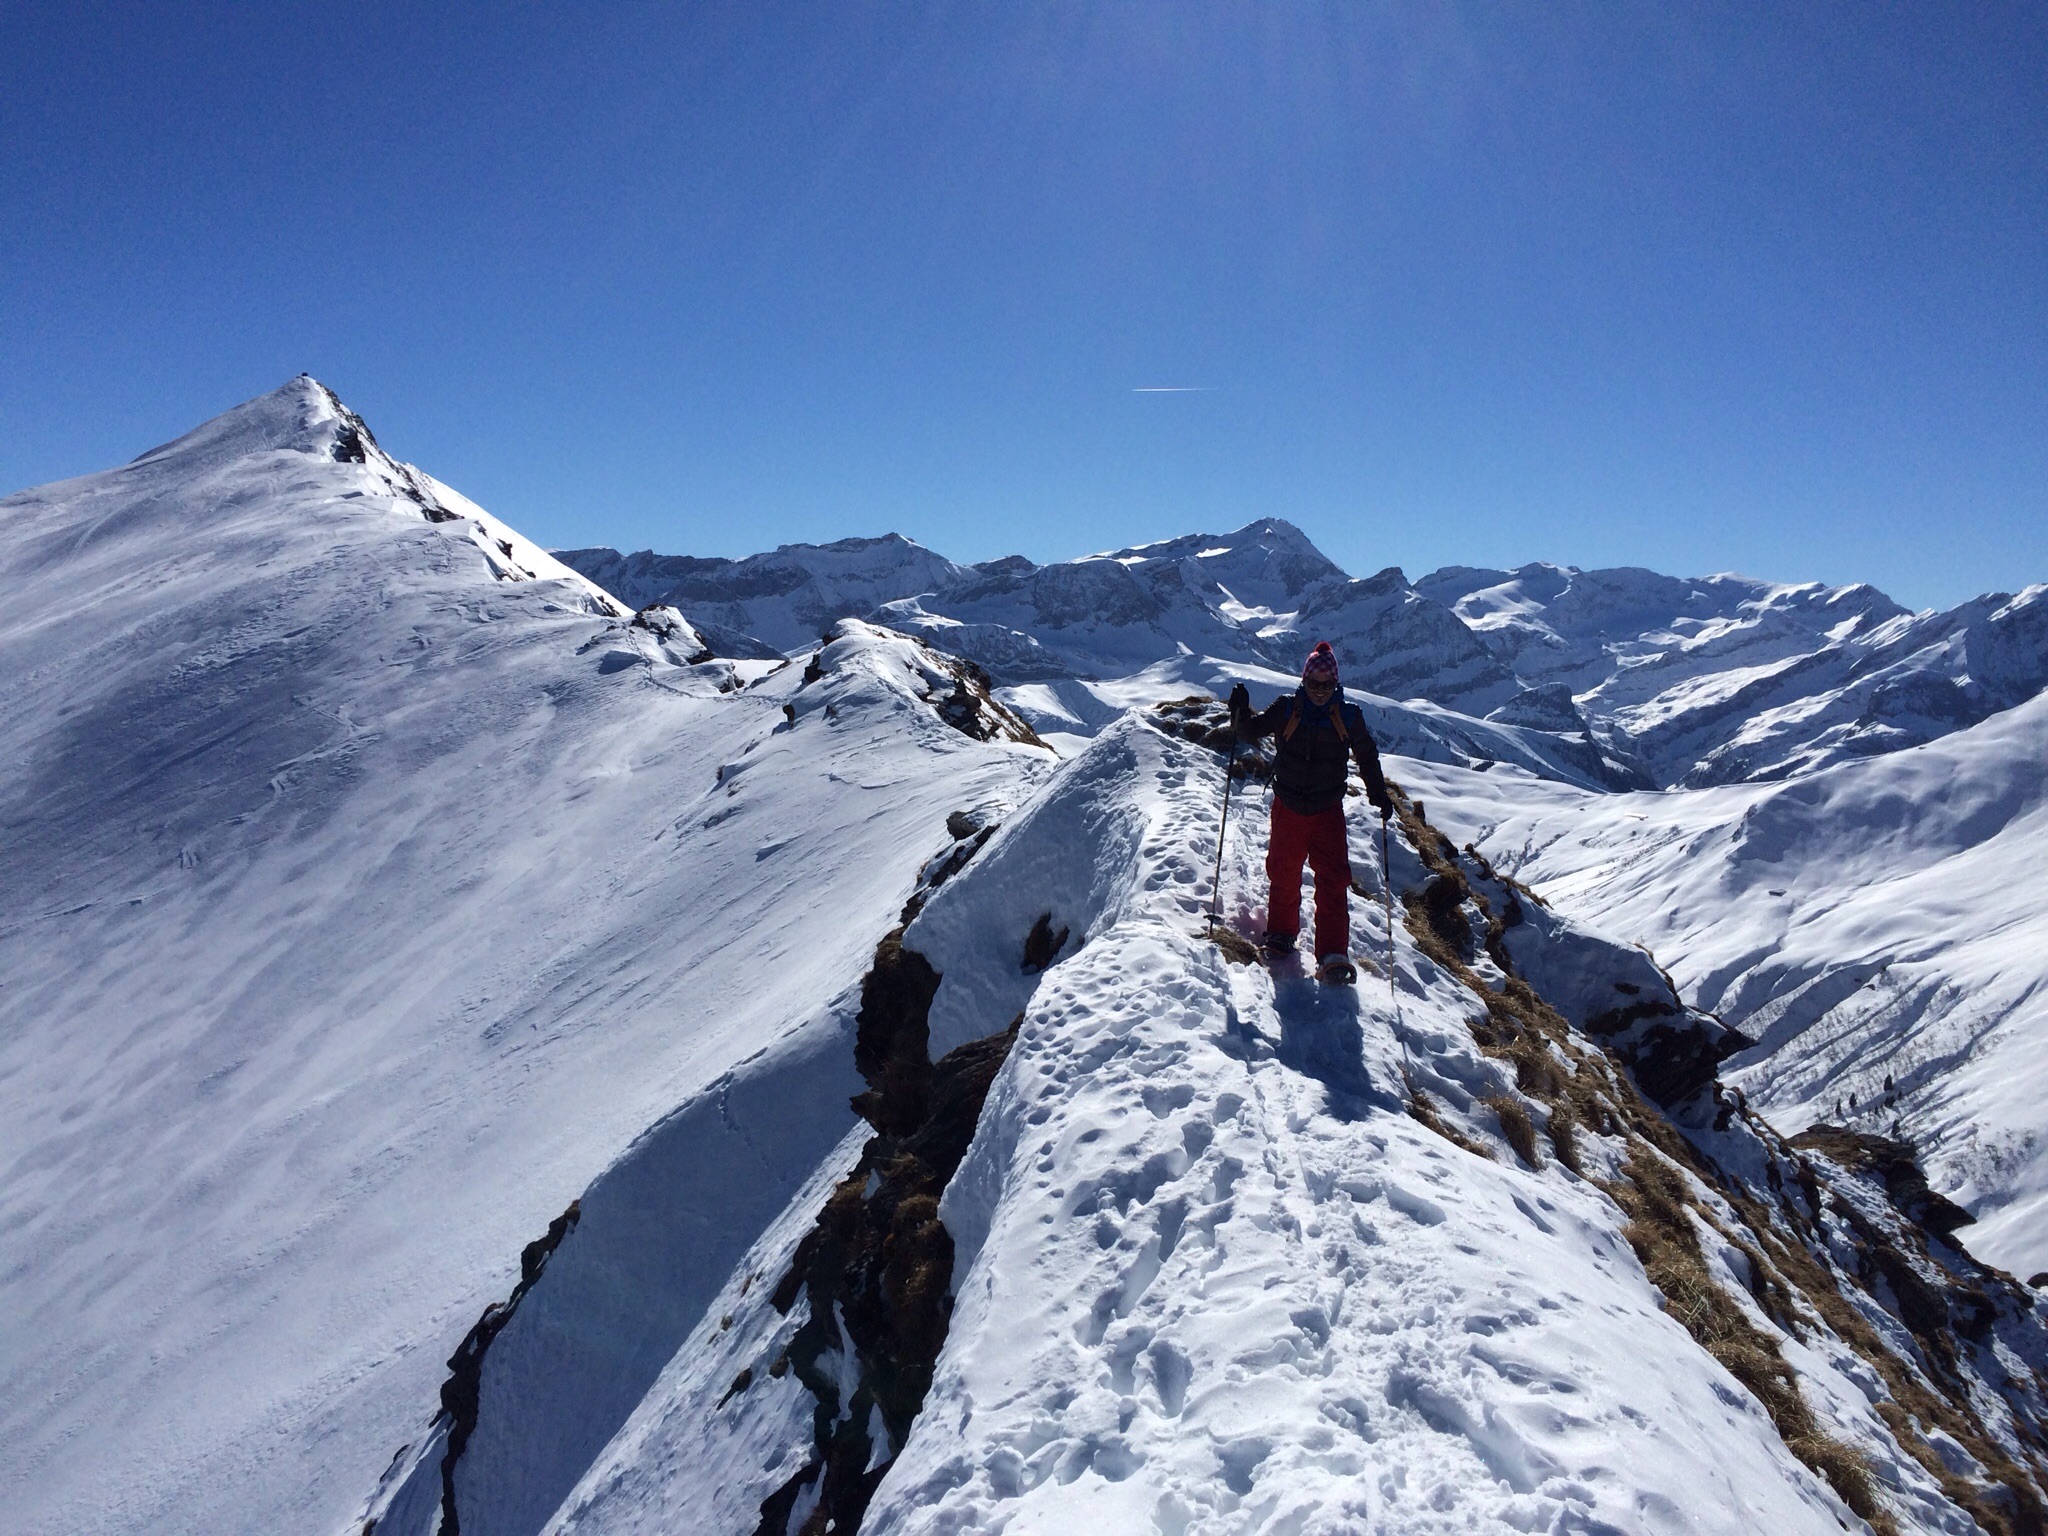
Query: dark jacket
point(1312, 749)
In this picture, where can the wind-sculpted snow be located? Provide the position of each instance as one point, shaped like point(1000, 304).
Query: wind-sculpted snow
point(369, 885)
point(1077, 877)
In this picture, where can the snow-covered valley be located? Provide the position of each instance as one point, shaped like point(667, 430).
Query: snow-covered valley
point(1875, 928)
point(435, 998)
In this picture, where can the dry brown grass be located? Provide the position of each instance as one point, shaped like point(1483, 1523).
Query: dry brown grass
point(1422, 1109)
point(1564, 1140)
point(1588, 1092)
point(1654, 1195)
point(1915, 1407)
point(1237, 949)
point(1515, 1126)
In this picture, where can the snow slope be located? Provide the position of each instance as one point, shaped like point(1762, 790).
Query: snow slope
point(1209, 1275)
point(1875, 926)
point(369, 887)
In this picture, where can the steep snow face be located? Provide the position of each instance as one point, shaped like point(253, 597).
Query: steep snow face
point(369, 885)
point(1875, 927)
point(786, 598)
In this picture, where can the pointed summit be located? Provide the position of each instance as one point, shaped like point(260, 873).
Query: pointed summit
point(301, 415)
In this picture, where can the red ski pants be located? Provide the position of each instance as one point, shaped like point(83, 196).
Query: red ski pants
point(1320, 840)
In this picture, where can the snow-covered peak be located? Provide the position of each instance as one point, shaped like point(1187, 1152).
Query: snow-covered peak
point(1267, 567)
point(225, 494)
point(2026, 598)
point(301, 415)
point(370, 884)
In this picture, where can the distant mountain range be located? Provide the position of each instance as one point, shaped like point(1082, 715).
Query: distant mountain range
point(1670, 681)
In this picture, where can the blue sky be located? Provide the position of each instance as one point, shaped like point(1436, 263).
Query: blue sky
point(1701, 287)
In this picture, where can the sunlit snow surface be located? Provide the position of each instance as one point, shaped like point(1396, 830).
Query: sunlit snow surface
point(1880, 919)
point(1212, 1278)
point(1216, 1272)
point(364, 897)
point(373, 889)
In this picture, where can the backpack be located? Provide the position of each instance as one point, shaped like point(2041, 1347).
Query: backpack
point(1294, 717)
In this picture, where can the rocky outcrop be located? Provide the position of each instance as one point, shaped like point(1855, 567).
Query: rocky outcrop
point(462, 1393)
point(875, 1272)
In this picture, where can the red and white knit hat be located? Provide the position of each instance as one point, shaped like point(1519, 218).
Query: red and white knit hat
point(1321, 666)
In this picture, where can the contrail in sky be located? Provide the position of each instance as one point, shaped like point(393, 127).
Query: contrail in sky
point(1172, 389)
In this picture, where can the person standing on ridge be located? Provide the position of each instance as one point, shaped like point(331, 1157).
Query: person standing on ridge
point(1317, 734)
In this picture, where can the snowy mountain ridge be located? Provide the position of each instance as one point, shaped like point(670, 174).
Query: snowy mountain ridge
point(1210, 1274)
point(356, 882)
point(471, 1060)
point(1694, 681)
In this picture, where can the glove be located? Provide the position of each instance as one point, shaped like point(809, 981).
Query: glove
point(1240, 703)
point(1386, 811)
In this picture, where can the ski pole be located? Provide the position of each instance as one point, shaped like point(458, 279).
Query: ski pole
point(1387, 894)
point(1216, 882)
point(1393, 996)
